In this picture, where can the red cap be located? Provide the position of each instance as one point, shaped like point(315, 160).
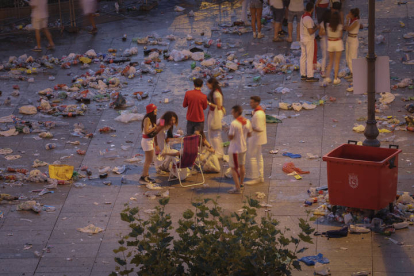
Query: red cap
point(151, 108)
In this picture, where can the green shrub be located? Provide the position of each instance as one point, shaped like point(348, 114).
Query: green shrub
point(208, 243)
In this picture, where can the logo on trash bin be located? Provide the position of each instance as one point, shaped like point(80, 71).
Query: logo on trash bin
point(353, 180)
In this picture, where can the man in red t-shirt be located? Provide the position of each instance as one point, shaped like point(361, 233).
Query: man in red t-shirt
point(196, 102)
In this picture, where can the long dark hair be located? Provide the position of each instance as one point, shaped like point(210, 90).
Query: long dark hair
point(334, 21)
point(355, 12)
point(168, 118)
point(215, 87)
point(151, 116)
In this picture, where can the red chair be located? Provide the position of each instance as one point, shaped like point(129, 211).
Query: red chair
point(189, 158)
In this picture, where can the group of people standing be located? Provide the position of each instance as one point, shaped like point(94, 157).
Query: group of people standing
point(246, 137)
point(328, 28)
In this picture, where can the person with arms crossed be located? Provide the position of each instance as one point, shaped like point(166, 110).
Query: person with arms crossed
point(307, 44)
point(258, 138)
point(196, 102)
point(239, 130)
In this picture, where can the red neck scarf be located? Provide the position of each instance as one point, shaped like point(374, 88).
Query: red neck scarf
point(259, 108)
point(306, 14)
point(242, 120)
point(352, 21)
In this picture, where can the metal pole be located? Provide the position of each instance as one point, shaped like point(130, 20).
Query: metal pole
point(371, 131)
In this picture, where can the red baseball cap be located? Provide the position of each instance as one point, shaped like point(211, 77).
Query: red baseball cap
point(150, 108)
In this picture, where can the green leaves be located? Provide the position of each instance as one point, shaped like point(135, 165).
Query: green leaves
point(208, 242)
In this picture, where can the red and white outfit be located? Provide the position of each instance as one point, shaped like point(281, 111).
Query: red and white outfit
point(335, 43)
point(307, 45)
point(254, 144)
point(239, 129)
point(147, 143)
point(352, 44)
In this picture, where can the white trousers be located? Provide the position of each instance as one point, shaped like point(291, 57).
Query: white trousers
point(351, 50)
point(324, 50)
point(254, 162)
point(306, 58)
point(214, 137)
point(245, 8)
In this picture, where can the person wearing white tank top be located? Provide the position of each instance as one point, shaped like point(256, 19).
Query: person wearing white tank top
point(352, 27)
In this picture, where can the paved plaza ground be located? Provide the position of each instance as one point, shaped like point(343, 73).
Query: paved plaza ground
point(317, 131)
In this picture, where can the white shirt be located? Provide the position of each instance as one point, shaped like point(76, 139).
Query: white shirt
point(277, 4)
point(337, 33)
point(238, 144)
point(296, 6)
point(306, 22)
point(259, 123)
point(356, 30)
point(39, 9)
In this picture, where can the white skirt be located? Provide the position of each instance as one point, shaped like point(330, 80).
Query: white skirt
point(147, 144)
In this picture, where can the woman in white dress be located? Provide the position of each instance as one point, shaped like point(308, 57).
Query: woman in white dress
point(215, 114)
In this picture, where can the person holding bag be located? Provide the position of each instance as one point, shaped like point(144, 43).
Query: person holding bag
point(215, 114)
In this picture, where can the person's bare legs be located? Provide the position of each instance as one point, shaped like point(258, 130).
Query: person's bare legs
point(337, 61)
point(297, 30)
point(290, 31)
point(242, 170)
point(49, 37)
point(235, 178)
point(331, 59)
point(253, 15)
point(92, 20)
point(148, 160)
point(37, 33)
point(278, 28)
point(259, 20)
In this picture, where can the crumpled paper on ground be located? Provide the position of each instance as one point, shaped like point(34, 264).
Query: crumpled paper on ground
point(387, 98)
point(90, 229)
point(359, 128)
point(28, 110)
point(6, 151)
point(12, 157)
point(10, 132)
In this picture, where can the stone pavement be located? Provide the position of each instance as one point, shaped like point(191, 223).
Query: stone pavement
point(75, 253)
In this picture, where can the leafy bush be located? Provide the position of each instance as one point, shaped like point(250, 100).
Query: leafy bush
point(208, 243)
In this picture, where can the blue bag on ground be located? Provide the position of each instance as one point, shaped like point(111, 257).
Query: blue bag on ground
point(312, 260)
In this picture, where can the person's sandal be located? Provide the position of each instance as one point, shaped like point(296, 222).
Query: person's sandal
point(234, 191)
point(37, 49)
point(277, 39)
point(93, 31)
point(50, 47)
point(289, 40)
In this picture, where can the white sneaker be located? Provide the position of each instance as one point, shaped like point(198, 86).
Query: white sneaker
point(254, 181)
point(254, 35)
point(327, 80)
point(260, 35)
point(336, 81)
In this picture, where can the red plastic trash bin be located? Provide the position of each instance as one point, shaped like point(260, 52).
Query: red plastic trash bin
point(362, 177)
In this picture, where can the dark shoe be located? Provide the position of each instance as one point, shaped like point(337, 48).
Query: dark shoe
point(312, 79)
point(145, 180)
point(93, 31)
point(152, 180)
point(318, 37)
point(303, 77)
point(282, 32)
point(349, 76)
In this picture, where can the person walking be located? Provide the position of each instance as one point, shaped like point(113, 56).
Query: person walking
point(196, 102)
point(240, 129)
point(40, 16)
point(89, 8)
point(149, 131)
point(278, 12)
point(307, 44)
point(335, 46)
point(215, 115)
point(256, 8)
point(352, 43)
point(295, 12)
point(255, 142)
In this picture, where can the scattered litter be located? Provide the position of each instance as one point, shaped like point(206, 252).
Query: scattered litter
point(273, 151)
point(292, 155)
point(312, 260)
point(290, 168)
point(260, 195)
point(358, 128)
point(90, 229)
